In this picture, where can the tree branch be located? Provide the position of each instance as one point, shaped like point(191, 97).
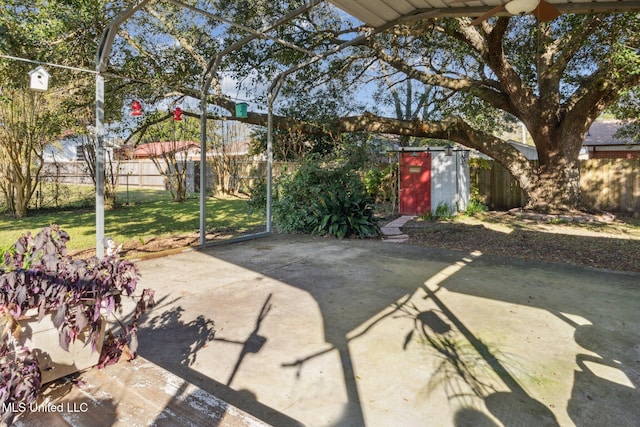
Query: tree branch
point(184, 43)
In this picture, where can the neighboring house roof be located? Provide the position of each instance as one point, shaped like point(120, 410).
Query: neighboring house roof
point(600, 142)
point(529, 151)
point(67, 148)
point(601, 134)
point(154, 149)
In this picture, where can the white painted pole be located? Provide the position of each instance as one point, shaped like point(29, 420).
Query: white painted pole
point(203, 164)
point(102, 60)
point(99, 169)
point(269, 161)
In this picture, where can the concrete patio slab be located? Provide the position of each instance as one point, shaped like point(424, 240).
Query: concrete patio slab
point(300, 330)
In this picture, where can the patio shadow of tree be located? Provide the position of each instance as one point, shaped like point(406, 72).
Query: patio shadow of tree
point(460, 368)
point(331, 273)
point(461, 364)
point(471, 417)
point(254, 343)
point(606, 378)
point(608, 372)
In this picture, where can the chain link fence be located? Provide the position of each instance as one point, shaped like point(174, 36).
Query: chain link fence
point(69, 185)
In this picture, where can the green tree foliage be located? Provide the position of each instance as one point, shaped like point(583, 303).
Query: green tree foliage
point(59, 32)
point(628, 110)
point(556, 78)
point(461, 83)
point(30, 120)
point(293, 143)
point(549, 76)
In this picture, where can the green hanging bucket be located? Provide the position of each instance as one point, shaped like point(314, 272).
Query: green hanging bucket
point(241, 110)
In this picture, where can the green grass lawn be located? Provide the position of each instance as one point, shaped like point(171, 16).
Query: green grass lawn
point(151, 213)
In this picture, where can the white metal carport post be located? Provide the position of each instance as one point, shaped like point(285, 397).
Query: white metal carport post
point(274, 90)
point(212, 69)
point(102, 61)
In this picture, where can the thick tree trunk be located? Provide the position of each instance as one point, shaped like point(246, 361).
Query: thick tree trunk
point(557, 187)
point(20, 206)
point(21, 197)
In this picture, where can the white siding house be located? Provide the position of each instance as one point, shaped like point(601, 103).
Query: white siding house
point(66, 150)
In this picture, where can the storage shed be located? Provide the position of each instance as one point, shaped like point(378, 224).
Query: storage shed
point(433, 176)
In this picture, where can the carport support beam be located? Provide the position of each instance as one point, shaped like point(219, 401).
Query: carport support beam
point(102, 60)
point(269, 162)
point(207, 78)
point(274, 90)
point(99, 168)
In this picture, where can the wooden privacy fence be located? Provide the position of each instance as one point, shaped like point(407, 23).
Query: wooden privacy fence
point(251, 171)
point(611, 185)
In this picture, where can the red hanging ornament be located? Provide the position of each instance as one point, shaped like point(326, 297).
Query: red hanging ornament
point(136, 108)
point(177, 114)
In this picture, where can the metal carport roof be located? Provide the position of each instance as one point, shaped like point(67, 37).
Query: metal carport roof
point(379, 12)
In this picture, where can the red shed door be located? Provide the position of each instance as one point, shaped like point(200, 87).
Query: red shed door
point(415, 183)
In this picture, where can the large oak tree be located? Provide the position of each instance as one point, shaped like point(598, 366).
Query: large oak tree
point(556, 78)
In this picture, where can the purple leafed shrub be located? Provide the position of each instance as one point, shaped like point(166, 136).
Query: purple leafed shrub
point(36, 273)
point(20, 378)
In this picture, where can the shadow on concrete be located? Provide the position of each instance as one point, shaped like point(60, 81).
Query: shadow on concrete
point(255, 341)
point(458, 366)
point(607, 375)
point(328, 286)
point(173, 344)
point(354, 281)
point(531, 412)
point(187, 338)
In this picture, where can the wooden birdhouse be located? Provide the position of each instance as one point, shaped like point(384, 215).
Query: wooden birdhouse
point(39, 79)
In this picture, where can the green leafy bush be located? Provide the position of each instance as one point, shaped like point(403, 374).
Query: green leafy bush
point(381, 183)
point(324, 198)
point(347, 215)
point(443, 211)
point(475, 207)
point(257, 202)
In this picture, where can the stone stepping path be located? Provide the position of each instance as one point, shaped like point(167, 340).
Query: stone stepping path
point(391, 232)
